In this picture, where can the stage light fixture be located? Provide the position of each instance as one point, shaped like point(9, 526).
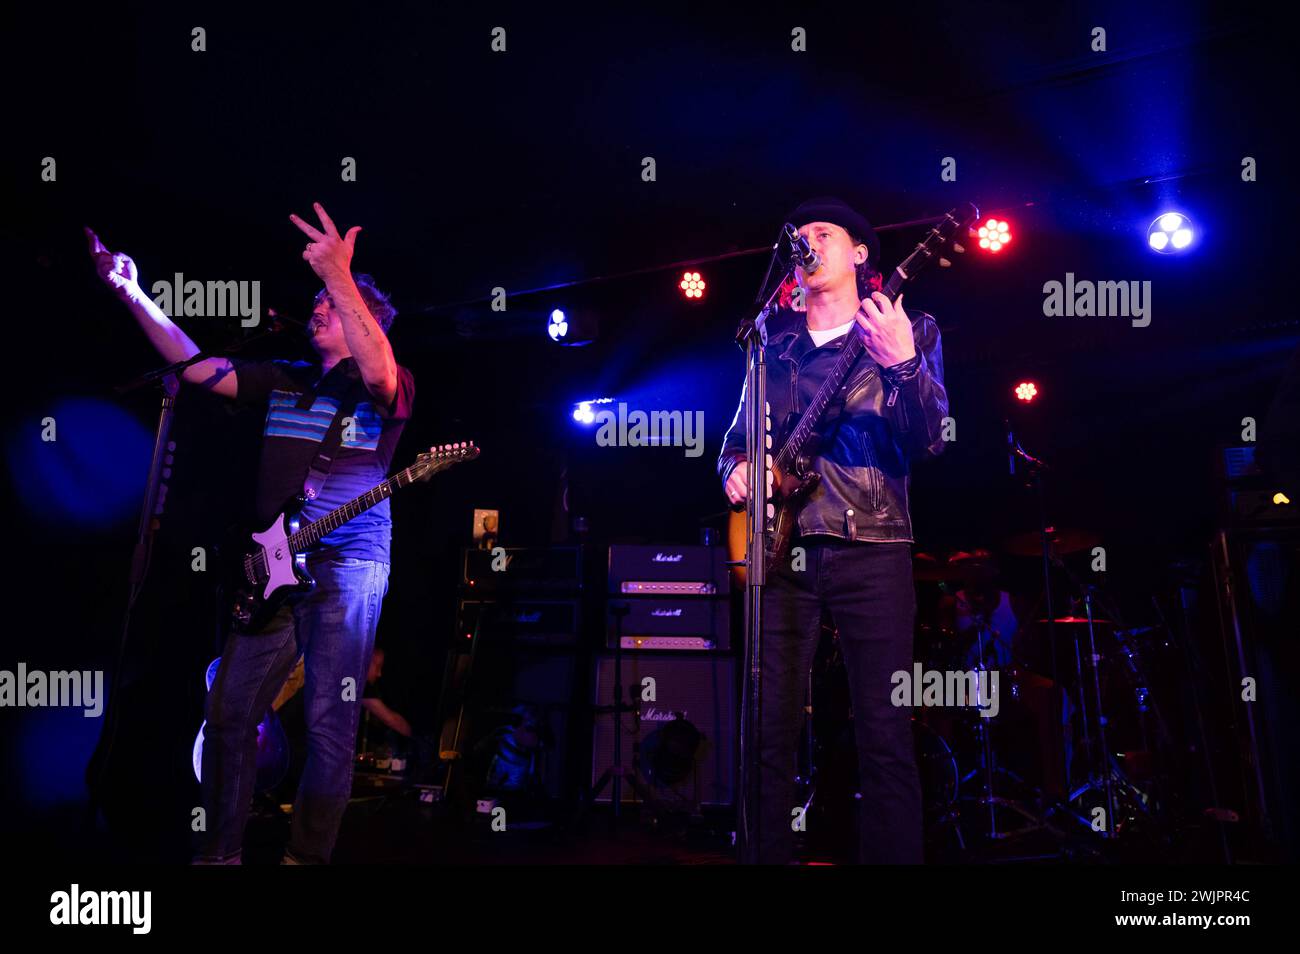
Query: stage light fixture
point(993, 235)
point(1171, 233)
point(692, 285)
point(583, 413)
point(1026, 391)
point(557, 325)
point(571, 326)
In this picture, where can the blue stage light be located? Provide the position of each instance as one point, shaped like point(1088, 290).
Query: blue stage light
point(1170, 233)
point(558, 326)
point(583, 413)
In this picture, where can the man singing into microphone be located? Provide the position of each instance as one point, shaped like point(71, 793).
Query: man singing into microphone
point(854, 529)
point(349, 408)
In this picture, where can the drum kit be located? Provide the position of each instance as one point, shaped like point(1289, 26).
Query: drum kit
point(1066, 750)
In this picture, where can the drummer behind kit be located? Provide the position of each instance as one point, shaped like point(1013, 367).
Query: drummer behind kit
point(1044, 757)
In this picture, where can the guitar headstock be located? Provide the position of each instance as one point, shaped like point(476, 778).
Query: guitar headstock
point(956, 222)
point(441, 456)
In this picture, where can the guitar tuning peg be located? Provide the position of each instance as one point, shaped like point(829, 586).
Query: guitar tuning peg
point(958, 248)
point(944, 263)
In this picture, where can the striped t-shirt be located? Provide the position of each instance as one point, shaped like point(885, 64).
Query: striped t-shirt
point(300, 405)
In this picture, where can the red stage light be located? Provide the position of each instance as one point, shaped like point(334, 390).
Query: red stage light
point(692, 285)
point(1026, 391)
point(993, 235)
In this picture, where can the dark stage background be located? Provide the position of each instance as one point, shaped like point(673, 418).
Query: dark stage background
point(523, 170)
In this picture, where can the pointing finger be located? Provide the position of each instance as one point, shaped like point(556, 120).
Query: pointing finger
point(96, 246)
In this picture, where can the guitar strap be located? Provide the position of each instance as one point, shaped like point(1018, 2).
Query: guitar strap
point(319, 469)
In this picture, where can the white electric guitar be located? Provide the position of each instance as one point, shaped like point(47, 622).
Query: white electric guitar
point(276, 566)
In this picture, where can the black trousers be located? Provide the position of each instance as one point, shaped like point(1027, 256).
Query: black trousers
point(868, 590)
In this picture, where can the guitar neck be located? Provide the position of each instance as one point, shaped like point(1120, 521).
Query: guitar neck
point(318, 528)
point(830, 386)
point(812, 415)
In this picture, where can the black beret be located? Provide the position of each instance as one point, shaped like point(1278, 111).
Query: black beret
point(830, 209)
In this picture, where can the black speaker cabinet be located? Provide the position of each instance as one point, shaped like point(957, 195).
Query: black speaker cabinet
point(680, 751)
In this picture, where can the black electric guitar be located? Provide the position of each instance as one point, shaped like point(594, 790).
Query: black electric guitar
point(276, 566)
point(793, 478)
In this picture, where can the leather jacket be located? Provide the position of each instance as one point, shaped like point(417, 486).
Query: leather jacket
point(867, 446)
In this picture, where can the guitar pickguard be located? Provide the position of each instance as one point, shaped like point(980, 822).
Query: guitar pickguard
point(281, 563)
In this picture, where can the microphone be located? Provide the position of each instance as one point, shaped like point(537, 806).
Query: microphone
point(1016, 452)
point(801, 251)
point(281, 323)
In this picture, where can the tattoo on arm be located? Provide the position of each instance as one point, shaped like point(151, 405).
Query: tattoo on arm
point(360, 320)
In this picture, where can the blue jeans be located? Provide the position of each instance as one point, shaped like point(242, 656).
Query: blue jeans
point(867, 587)
point(333, 628)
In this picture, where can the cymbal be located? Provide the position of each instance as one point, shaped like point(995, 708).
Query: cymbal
point(1028, 679)
point(1079, 620)
point(1063, 539)
point(960, 568)
point(977, 567)
point(927, 568)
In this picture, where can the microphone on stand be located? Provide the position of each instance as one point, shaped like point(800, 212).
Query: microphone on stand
point(800, 250)
point(1016, 452)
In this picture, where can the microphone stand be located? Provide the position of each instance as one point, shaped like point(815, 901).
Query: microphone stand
point(155, 493)
point(752, 336)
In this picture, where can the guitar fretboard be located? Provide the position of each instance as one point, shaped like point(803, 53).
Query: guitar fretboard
point(312, 532)
point(830, 386)
point(812, 415)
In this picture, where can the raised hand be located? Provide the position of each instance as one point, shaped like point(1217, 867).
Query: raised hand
point(328, 253)
point(116, 269)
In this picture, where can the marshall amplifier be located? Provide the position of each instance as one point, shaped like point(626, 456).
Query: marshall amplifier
point(522, 621)
point(522, 570)
point(667, 570)
point(681, 751)
point(656, 622)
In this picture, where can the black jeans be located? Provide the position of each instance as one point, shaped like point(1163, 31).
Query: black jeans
point(867, 587)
